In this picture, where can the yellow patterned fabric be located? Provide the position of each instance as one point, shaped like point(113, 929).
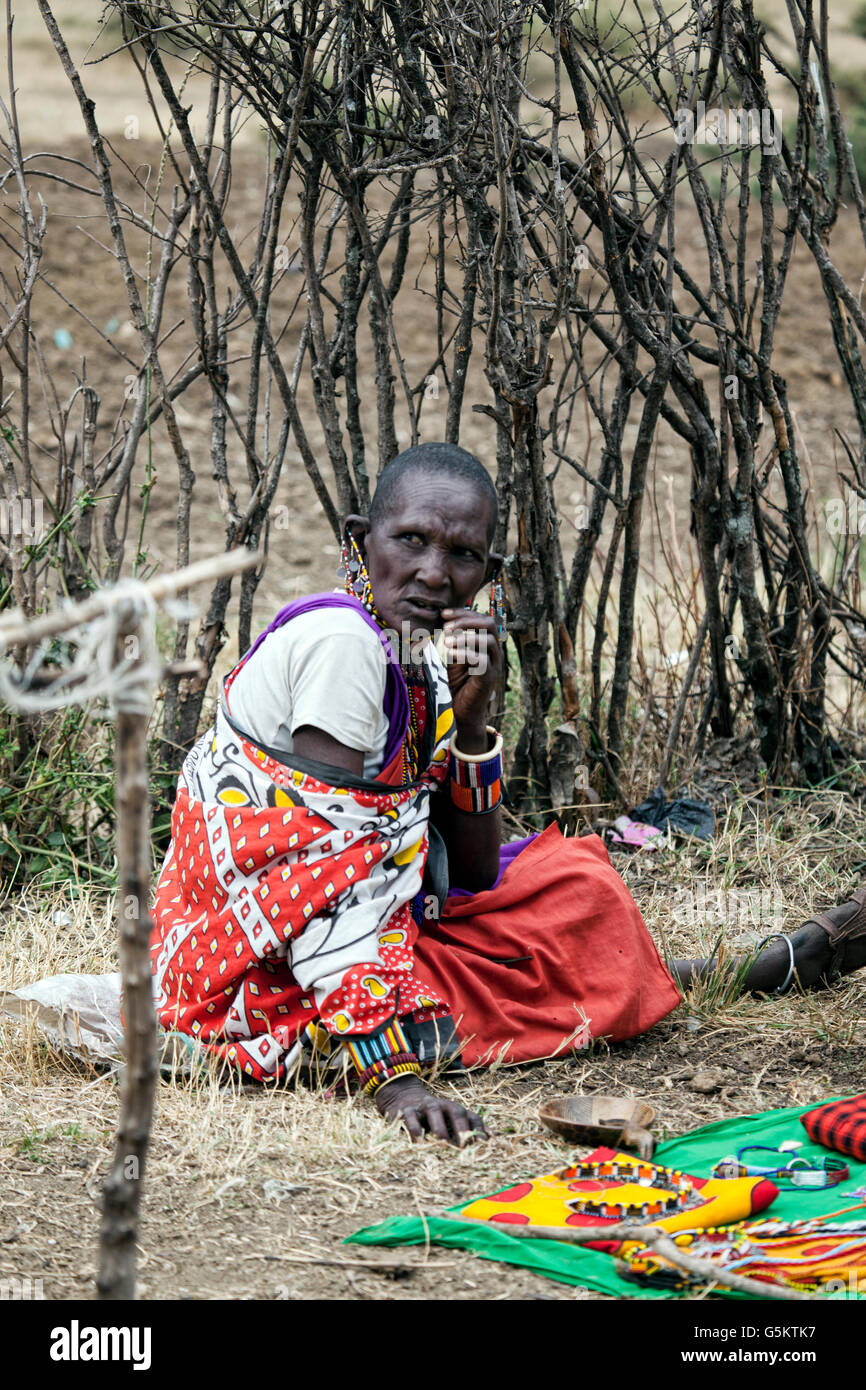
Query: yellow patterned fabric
point(807, 1255)
point(611, 1186)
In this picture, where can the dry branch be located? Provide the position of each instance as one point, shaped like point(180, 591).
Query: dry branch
point(661, 1243)
point(15, 626)
point(510, 151)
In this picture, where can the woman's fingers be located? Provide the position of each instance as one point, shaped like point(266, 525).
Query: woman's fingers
point(471, 639)
point(410, 1119)
point(422, 1112)
point(445, 1120)
point(465, 1126)
point(467, 617)
point(436, 1120)
point(458, 1119)
point(478, 1124)
point(469, 647)
point(470, 1126)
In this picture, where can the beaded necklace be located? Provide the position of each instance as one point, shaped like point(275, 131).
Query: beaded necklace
point(417, 711)
point(803, 1255)
point(677, 1192)
point(357, 583)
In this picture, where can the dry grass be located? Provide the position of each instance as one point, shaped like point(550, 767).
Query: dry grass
point(248, 1192)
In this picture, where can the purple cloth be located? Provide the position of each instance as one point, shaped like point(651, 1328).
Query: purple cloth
point(507, 854)
point(396, 702)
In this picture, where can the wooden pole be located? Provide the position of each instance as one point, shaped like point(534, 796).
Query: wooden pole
point(121, 1191)
point(122, 1187)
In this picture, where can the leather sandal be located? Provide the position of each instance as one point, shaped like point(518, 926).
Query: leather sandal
point(840, 935)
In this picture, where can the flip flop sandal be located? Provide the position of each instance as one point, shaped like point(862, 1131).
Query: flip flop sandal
point(840, 935)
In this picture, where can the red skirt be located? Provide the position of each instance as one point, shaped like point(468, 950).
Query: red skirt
point(553, 956)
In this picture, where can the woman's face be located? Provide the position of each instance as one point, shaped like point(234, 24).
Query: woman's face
point(431, 551)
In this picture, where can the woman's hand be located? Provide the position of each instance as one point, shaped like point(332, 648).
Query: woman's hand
point(474, 659)
point(407, 1098)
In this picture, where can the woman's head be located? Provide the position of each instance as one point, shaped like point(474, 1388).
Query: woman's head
point(426, 542)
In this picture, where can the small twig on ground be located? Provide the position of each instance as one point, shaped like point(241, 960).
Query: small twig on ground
point(377, 1266)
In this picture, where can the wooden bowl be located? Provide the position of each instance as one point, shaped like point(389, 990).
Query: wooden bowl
point(616, 1121)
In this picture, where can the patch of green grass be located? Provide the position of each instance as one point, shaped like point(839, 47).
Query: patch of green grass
point(34, 1145)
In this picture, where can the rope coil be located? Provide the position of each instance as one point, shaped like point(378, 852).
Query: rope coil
point(96, 674)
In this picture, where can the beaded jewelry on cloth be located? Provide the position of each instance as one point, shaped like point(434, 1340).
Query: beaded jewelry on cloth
point(796, 1172)
point(808, 1255)
point(476, 779)
point(676, 1192)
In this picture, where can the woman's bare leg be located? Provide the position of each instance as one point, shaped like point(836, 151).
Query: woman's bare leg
point(813, 957)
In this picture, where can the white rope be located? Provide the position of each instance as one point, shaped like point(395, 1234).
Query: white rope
point(181, 608)
point(96, 674)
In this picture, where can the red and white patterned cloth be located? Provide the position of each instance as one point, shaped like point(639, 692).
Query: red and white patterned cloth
point(283, 900)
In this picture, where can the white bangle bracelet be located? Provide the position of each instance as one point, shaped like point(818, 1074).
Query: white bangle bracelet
point(494, 752)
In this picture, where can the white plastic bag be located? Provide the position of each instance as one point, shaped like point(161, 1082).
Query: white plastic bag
point(77, 1014)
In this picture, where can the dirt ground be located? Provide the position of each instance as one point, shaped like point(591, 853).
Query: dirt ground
point(206, 1235)
point(215, 1225)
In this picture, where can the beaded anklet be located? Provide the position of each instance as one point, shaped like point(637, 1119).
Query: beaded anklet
point(476, 779)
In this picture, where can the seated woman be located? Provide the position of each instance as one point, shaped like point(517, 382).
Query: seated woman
point(336, 878)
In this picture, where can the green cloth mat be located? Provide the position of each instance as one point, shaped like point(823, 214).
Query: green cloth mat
point(695, 1152)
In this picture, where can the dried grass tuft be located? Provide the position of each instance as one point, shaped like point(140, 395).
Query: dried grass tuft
point(249, 1192)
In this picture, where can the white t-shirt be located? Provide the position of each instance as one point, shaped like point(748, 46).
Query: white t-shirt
point(326, 669)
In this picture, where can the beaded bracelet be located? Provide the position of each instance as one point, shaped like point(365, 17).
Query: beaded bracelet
point(476, 778)
point(401, 1064)
point(380, 1056)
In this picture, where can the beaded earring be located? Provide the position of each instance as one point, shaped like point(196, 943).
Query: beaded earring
point(354, 574)
point(497, 607)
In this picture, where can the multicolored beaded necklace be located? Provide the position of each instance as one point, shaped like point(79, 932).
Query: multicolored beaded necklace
point(804, 1255)
point(417, 714)
point(677, 1190)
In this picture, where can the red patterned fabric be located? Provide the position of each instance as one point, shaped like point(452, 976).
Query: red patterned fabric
point(555, 955)
point(284, 901)
point(839, 1125)
point(224, 978)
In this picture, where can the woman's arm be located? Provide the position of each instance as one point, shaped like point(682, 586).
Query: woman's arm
point(474, 658)
point(310, 742)
point(406, 1097)
point(472, 840)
